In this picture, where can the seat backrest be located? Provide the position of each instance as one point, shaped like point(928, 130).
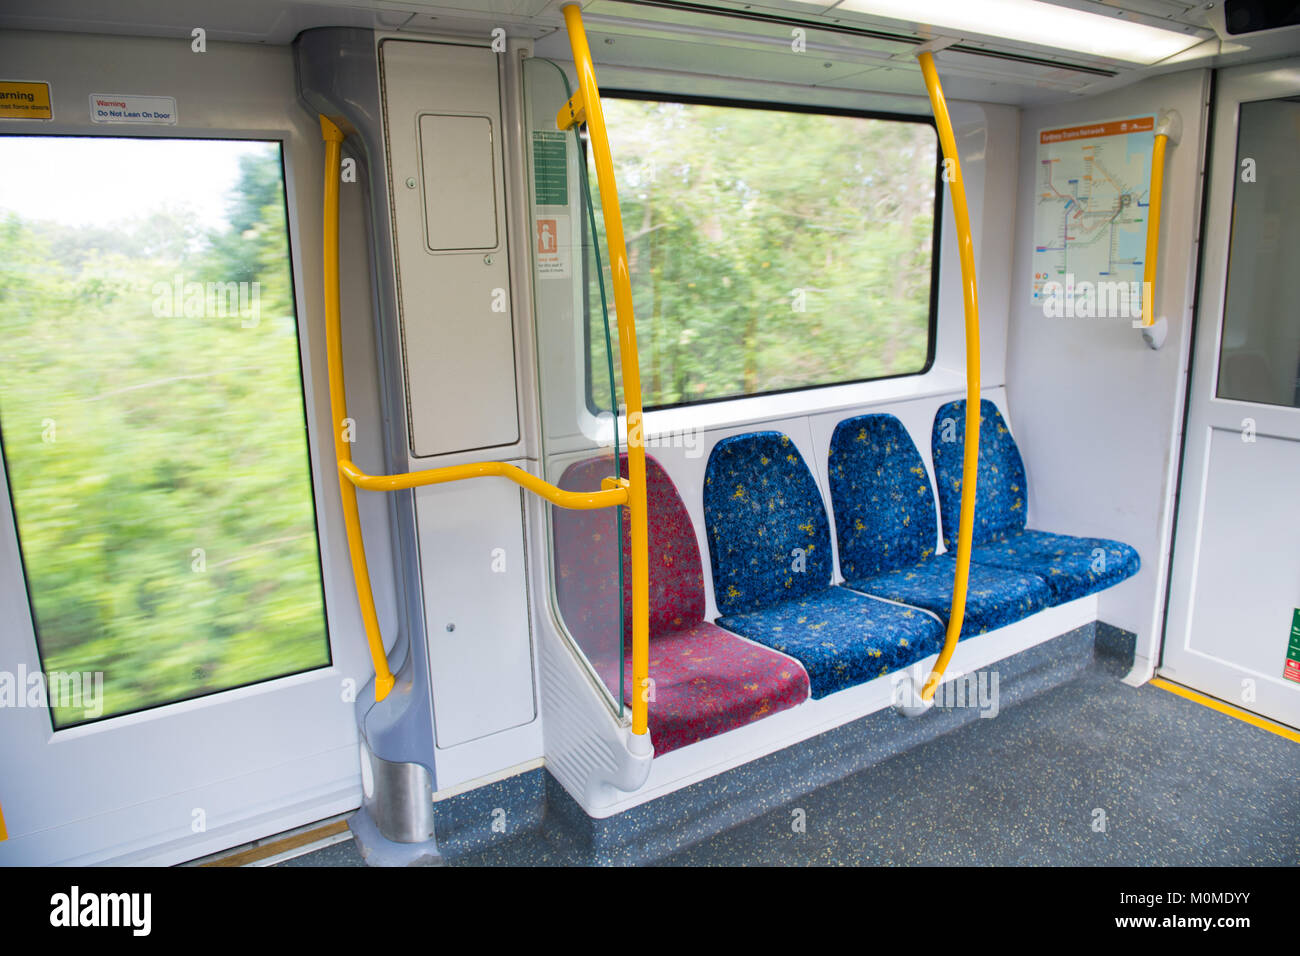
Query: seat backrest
point(582, 556)
point(769, 539)
point(884, 507)
point(1001, 492)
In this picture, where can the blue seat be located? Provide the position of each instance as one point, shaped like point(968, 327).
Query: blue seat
point(769, 545)
point(1071, 566)
point(886, 527)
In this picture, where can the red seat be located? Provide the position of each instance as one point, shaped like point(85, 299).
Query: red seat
point(706, 681)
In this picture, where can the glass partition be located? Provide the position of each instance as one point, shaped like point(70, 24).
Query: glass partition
point(576, 343)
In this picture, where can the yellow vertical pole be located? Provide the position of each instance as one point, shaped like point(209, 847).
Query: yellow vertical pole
point(333, 137)
point(636, 499)
point(970, 301)
point(4, 834)
point(1153, 229)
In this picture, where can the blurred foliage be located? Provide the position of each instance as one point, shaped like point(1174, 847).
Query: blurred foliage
point(769, 250)
point(136, 432)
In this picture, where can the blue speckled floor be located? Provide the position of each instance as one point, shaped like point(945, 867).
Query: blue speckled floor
point(1179, 784)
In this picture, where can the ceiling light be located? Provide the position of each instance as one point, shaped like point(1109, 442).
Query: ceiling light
point(1031, 21)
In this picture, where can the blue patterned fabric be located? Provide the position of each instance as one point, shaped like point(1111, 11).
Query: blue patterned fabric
point(1001, 491)
point(764, 516)
point(884, 508)
point(995, 597)
point(1072, 567)
point(841, 638)
point(885, 525)
point(761, 507)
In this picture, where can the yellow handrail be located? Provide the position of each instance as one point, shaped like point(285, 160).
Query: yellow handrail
point(1153, 229)
point(970, 301)
point(584, 106)
point(630, 491)
point(580, 500)
point(333, 137)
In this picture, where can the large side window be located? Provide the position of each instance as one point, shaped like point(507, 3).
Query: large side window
point(152, 418)
point(773, 249)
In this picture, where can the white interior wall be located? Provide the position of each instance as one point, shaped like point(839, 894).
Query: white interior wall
point(1098, 414)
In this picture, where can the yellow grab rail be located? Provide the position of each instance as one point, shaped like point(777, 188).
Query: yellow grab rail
point(1153, 228)
point(580, 500)
point(584, 106)
point(970, 302)
point(628, 491)
point(333, 137)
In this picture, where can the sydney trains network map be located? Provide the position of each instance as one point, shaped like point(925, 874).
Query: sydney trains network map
point(1091, 203)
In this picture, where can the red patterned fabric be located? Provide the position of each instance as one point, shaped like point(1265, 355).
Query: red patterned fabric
point(706, 681)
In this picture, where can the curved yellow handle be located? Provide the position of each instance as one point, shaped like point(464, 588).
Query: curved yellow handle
point(1153, 229)
point(615, 492)
point(580, 500)
point(333, 137)
point(970, 302)
point(585, 106)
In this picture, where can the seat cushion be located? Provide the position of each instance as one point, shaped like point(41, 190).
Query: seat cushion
point(884, 507)
point(995, 597)
point(769, 540)
point(708, 681)
point(840, 637)
point(1071, 567)
point(1001, 491)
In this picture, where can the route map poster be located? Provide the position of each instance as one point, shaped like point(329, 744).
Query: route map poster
point(1091, 203)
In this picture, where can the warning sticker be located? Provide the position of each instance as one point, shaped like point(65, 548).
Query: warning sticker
point(1291, 668)
point(117, 108)
point(20, 100)
point(551, 248)
point(550, 168)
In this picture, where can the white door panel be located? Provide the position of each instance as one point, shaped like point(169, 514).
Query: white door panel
point(1236, 568)
point(271, 742)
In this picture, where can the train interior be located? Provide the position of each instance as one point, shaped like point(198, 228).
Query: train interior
point(635, 431)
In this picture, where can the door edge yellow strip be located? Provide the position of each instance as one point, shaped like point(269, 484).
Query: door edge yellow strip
point(282, 845)
point(1263, 723)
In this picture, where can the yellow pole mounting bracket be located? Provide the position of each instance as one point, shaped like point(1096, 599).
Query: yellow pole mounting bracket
point(573, 113)
point(970, 303)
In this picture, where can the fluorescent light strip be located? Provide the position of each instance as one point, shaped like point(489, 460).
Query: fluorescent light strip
point(1031, 21)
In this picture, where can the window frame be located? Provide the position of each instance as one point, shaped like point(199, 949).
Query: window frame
point(279, 140)
point(936, 238)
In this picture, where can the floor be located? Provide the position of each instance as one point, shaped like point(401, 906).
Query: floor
point(1091, 773)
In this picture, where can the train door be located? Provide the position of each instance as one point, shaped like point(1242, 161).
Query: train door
point(179, 658)
point(1233, 621)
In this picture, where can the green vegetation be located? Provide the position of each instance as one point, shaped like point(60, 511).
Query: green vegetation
point(770, 250)
point(157, 451)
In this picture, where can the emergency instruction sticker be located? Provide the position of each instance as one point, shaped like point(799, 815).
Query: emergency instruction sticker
point(117, 108)
point(550, 168)
point(552, 247)
point(1291, 668)
point(22, 100)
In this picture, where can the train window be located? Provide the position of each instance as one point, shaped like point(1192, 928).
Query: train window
point(1260, 357)
point(771, 248)
point(152, 417)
